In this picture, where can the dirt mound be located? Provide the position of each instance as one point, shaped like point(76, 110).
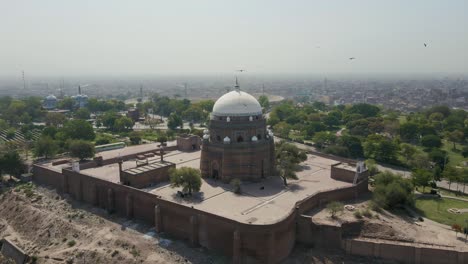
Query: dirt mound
point(381, 231)
point(56, 229)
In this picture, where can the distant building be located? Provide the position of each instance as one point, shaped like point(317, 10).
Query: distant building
point(50, 102)
point(133, 114)
point(81, 100)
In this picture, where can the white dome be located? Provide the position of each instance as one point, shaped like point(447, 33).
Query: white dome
point(51, 97)
point(237, 103)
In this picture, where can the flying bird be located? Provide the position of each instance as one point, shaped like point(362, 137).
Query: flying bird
point(241, 70)
point(352, 58)
point(425, 45)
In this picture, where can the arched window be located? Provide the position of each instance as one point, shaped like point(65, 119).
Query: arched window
point(218, 138)
point(240, 139)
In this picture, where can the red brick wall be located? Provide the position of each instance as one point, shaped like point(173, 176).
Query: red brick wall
point(404, 252)
point(147, 178)
point(266, 243)
point(45, 176)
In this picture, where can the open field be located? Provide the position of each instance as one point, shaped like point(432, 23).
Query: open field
point(436, 209)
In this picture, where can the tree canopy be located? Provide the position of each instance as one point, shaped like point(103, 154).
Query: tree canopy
point(187, 178)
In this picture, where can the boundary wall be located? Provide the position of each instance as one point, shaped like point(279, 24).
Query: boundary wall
point(268, 243)
point(404, 252)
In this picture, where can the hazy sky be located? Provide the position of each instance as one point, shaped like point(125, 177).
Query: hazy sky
point(56, 37)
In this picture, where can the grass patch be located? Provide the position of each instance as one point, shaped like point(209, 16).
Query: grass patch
point(436, 209)
point(71, 243)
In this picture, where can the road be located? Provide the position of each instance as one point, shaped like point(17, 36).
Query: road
point(454, 186)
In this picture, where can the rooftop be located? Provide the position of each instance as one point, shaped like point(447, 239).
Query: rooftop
point(263, 202)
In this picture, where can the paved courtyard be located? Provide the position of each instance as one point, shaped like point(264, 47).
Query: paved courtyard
point(263, 202)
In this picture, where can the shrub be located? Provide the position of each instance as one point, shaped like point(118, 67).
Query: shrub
point(236, 185)
point(135, 138)
point(335, 207)
point(71, 243)
point(358, 214)
point(367, 213)
point(375, 207)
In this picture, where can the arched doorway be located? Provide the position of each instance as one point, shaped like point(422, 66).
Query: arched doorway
point(215, 170)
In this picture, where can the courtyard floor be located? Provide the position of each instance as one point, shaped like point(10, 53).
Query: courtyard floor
point(262, 202)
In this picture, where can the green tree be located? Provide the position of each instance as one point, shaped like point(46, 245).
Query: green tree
point(456, 136)
point(78, 129)
point(324, 138)
point(81, 149)
point(187, 178)
point(194, 114)
point(409, 131)
point(451, 174)
point(392, 191)
point(45, 146)
point(11, 163)
point(66, 103)
point(407, 151)
point(174, 121)
point(365, 110)
point(123, 124)
point(380, 148)
point(419, 160)
point(264, 102)
point(108, 119)
point(288, 157)
point(353, 144)
point(82, 113)
point(431, 141)
point(55, 119)
point(135, 138)
point(3, 124)
point(421, 178)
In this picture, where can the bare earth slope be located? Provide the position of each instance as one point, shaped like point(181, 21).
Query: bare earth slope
point(56, 230)
point(59, 230)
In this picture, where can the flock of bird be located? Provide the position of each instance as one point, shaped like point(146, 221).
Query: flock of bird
point(351, 58)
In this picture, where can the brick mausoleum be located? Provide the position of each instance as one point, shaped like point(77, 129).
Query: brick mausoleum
point(237, 143)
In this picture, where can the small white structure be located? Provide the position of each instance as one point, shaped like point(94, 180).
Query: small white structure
point(227, 140)
point(50, 102)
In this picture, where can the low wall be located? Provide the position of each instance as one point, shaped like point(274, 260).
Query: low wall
point(404, 252)
point(11, 251)
point(134, 155)
point(266, 243)
point(147, 178)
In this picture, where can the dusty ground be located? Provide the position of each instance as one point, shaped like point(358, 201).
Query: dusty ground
point(57, 230)
point(396, 227)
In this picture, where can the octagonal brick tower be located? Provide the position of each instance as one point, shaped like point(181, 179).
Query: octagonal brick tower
point(237, 143)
